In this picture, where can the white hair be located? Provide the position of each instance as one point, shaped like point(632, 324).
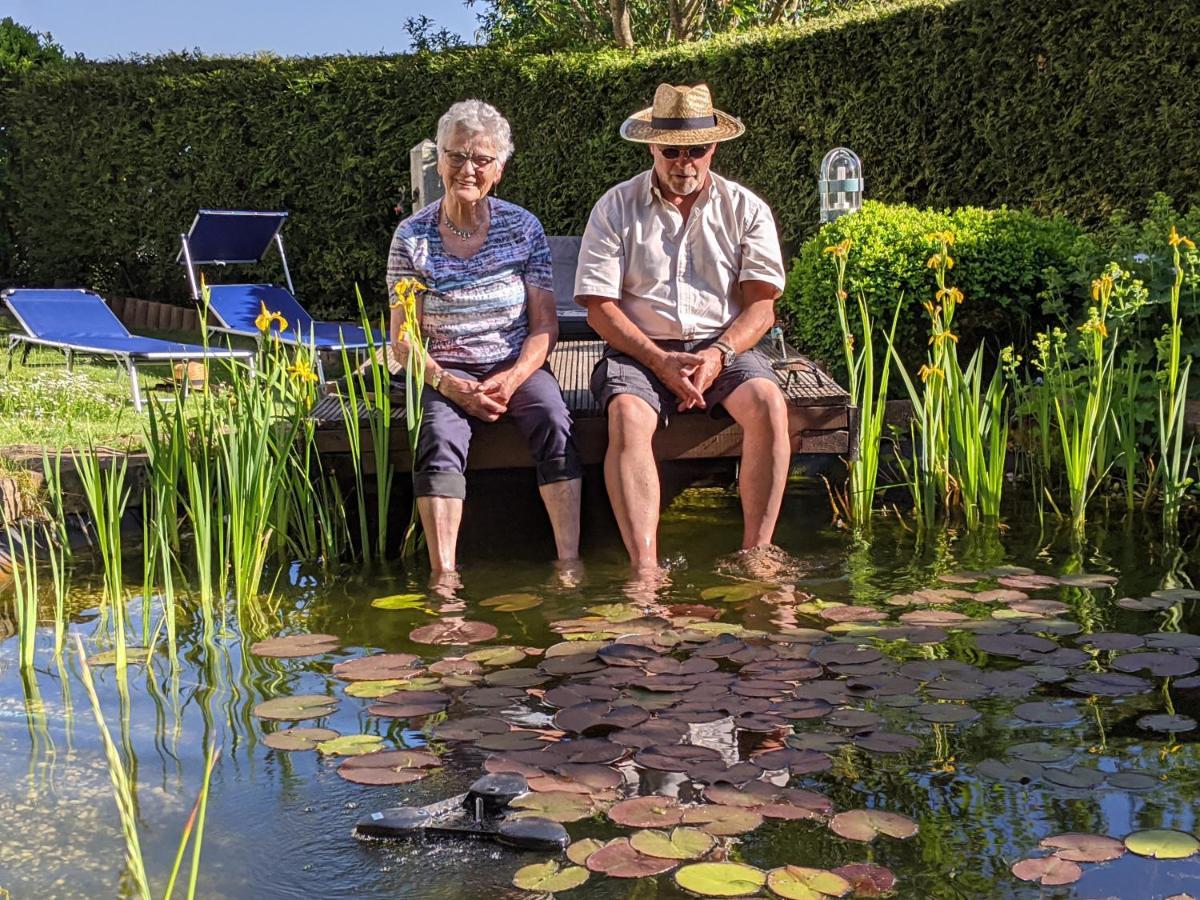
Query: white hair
point(477, 118)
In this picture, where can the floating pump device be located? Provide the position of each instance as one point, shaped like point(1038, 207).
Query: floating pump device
point(481, 813)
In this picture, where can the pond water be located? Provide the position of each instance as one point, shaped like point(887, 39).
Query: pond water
point(990, 731)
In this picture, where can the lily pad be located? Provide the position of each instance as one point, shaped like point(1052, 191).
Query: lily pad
point(722, 821)
point(1162, 843)
point(1048, 870)
point(549, 877)
point(618, 859)
point(1079, 847)
point(350, 745)
point(721, 879)
point(297, 708)
point(377, 667)
point(679, 843)
point(557, 806)
point(401, 601)
point(1164, 722)
point(296, 645)
point(373, 690)
point(867, 879)
point(647, 812)
point(737, 593)
point(453, 631)
point(1048, 713)
point(868, 824)
point(512, 602)
point(387, 767)
point(1160, 664)
point(800, 883)
point(579, 851)
point(292, 739)
point(497, 656)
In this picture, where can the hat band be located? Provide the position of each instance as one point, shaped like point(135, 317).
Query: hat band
point(694, 123)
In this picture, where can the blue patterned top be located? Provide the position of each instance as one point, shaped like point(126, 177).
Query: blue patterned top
point(475, 309)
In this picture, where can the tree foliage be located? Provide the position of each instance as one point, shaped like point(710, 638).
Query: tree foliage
point(558, 24)
point(22, 49)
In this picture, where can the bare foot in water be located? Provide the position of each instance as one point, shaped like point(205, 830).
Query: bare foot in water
point(568, 574)
point(445, 587)
point(765, 562)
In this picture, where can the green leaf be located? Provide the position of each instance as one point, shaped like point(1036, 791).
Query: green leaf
point(548, 877)
point(512, 602)
point(799, 883)
point(680, 843)
point(1162, 843)
point(350, 745)
point(402, 601)
point(721, 879)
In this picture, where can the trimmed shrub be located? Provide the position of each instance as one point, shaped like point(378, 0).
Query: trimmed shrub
point(1074, 108)
point(1006, 264)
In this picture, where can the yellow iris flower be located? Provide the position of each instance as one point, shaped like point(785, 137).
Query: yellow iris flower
point(1178, 240)
point(841, 250)
point(950, 293)
point(302, 370)
point(265, 318)
point(940, 337)
point(926, 372)
point(942, 237)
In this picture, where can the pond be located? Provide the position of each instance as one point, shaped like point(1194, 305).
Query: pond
point(951, 688)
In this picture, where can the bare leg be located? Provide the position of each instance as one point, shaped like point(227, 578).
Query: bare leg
point(440, 517)
point(758, 406)
point(562, 505)
point(631, 476)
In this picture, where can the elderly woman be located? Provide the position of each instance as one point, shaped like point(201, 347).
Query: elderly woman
point(490, 319)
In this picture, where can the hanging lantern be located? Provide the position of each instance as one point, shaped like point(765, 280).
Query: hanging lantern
point(841, 184)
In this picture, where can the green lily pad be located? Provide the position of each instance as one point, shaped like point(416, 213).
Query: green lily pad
point(402, 601)
point(616, 612)
point(721, 879)
point(579, 851)
point(1048, 870)
point(557, 806)
point(1162, 843)
point(298, 738)
point(868, 824)
point(737, 593)
point(549, 877)
point(297, 708)
point(512, 602)
point(296, 645)
point(679, 843)
point(350, 745)
point(799, 883)
point(496, 656)
point(373, 690)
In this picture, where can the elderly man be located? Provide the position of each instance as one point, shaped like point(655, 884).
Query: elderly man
point(679, 270)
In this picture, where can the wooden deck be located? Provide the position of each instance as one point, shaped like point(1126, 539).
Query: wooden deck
point(820, 417)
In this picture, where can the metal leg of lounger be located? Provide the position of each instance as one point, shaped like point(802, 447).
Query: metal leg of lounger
point(12, 347)
point(320, 368)
point(70, 360)
point(133, 384)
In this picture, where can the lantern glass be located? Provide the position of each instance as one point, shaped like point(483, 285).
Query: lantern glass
point(841, 184)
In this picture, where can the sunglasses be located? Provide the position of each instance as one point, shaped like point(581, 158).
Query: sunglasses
point(696, 152)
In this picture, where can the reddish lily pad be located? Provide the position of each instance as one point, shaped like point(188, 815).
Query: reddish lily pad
point(722, 821)
point(618, 859)
point(453, 631)
point(296, 645)
point(377, 667)
point(579, 851)
point(1078, 847)
point(1048, 870)
point(387, 767)
point(868, 880)
point(647, 812)
point(868, 824)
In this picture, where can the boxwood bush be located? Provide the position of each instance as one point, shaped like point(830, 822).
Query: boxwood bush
point(1009, 265)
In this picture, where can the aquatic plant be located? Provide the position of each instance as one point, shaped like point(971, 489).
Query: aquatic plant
point(25, 591)
point(1174, 462)
point(416, 349)
point(979, 426)
point(867, 392)
point(107, 493)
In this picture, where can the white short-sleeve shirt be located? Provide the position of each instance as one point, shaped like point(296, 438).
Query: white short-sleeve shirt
point(678, 280)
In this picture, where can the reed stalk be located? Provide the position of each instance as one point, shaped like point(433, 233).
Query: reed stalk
point(1174, 461)
point(25, 592)
point(416, 350)
point(979, 427)
point(107, 495)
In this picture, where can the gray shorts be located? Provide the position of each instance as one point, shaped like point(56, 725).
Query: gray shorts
point(617, 373)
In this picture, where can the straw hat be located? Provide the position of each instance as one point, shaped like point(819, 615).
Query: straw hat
point(681, 116)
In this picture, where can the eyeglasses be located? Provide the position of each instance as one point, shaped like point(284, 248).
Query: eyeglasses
point(690, 152)
point(458, 160)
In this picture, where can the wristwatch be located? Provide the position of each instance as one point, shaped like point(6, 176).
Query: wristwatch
point(728, 354)
point(435, 380)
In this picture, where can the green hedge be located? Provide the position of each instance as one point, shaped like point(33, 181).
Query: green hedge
point(1074, 107)
point(1010, 265)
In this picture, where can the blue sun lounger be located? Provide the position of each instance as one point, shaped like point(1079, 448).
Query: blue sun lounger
point(223, 237)
point(80, 322)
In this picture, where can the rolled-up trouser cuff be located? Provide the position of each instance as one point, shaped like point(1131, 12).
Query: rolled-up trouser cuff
point(559, 468)
point(440, 484)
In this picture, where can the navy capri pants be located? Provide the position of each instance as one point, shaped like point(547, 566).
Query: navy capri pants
point(539, 411)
